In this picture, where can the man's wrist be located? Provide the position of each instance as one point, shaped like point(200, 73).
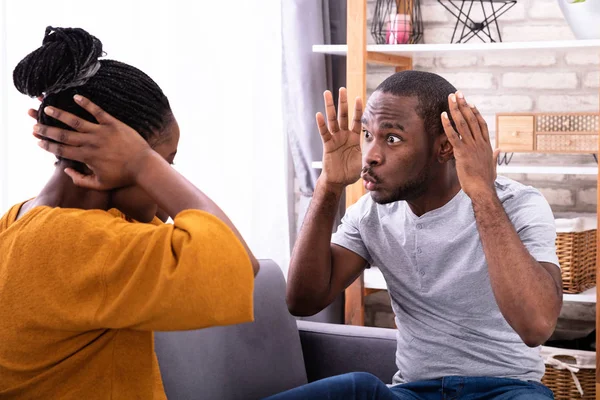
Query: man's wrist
point(329, 187)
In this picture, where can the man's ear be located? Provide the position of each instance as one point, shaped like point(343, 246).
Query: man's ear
point(445, 149)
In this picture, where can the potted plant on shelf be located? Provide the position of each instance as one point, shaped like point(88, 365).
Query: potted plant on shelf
point(582, 17)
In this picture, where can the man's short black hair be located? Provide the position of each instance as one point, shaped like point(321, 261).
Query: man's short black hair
point(431, 91)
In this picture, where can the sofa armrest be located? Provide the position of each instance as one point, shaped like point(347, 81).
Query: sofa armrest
point(332, 349)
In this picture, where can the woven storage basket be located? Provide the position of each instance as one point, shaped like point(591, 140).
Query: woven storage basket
point(569, 373)
point(576, 251)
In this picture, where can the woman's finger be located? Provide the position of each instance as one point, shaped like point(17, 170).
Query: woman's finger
point(79, 124)
point(101, 116)
point(32, 113)
point(84, 181)
point(62, 136)
point(63, 151)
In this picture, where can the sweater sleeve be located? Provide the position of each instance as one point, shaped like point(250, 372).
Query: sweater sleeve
point(191, 274)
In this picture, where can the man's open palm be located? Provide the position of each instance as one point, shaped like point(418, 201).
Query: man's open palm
point(341, 146)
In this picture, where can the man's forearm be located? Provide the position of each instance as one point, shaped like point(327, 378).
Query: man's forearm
point(309, 274)
point(526, 293)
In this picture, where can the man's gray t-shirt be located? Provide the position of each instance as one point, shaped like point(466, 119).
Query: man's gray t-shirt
point(437, 276)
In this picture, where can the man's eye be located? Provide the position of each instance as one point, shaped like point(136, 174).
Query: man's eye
point(394, 139)
point(366, 134)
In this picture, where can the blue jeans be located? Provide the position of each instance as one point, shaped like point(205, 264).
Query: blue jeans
point(364, 386)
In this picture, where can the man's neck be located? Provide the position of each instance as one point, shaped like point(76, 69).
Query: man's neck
point(441, 190)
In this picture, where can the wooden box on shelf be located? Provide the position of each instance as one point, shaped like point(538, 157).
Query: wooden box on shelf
point(547, 132)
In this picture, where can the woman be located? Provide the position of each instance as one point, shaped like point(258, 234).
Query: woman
point(87, 272)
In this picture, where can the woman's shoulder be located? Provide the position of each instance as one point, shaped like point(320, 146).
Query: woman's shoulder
point(29, 215)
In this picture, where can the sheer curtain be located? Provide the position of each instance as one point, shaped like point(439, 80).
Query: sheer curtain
point(220, 65)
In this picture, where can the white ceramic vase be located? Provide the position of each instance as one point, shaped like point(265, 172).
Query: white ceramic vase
point(583, 18)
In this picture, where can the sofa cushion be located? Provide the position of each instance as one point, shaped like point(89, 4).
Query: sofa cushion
point(241, 362)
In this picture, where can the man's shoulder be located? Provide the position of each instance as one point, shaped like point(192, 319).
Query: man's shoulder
point(508, 189)
point(517, 197)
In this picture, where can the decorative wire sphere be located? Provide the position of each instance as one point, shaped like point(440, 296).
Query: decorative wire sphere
point(397, 22)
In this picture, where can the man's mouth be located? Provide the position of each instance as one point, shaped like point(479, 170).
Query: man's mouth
point(370, 181)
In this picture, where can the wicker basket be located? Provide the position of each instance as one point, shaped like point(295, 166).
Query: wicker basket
point(570, 374)
point(576, 251)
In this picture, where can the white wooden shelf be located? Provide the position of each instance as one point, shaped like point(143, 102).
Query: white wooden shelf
point(545, 169)
point(588, 296)
point(530, 169)
point(411, 50)
point(374, 280)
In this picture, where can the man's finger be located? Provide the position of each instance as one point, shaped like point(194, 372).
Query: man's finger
point(468, 116)
point(483, 126)
point(62, 136)
point(32, 113)
point(461, 124)
point(79, 124)
point(325, 134)
point(101, 116)
point(357, 118)
point(330, 112)
point(343, 109)
point(450, 132)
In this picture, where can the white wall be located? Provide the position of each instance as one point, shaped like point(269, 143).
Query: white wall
point(220, 65)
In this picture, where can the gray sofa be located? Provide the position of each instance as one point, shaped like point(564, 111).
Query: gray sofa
point(274, 353)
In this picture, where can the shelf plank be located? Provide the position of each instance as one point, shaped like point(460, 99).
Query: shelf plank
point(373, 279)
point(547, 169)
point(587, 296)
point(530, 169)
point(411, 50)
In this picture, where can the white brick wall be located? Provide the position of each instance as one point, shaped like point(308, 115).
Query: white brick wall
point(559, 197)
point(592, 79)
point(540, 80)
point(470, 80)
point(501, 103)
point(457, 62)
point(528, 33)
point(587, 197)
point(580, 57)
point(506, 59)
point(423, 62)
point(568, 103)
point(545, 10)
point(541, 178)
point(434, 13)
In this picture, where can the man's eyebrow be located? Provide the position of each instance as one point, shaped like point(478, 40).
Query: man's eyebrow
point(364, 120)
point(389, 125)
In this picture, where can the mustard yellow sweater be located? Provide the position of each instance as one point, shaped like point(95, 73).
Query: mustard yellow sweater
point(81, 292)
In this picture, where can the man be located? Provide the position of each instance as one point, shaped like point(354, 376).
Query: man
point(468, 257)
